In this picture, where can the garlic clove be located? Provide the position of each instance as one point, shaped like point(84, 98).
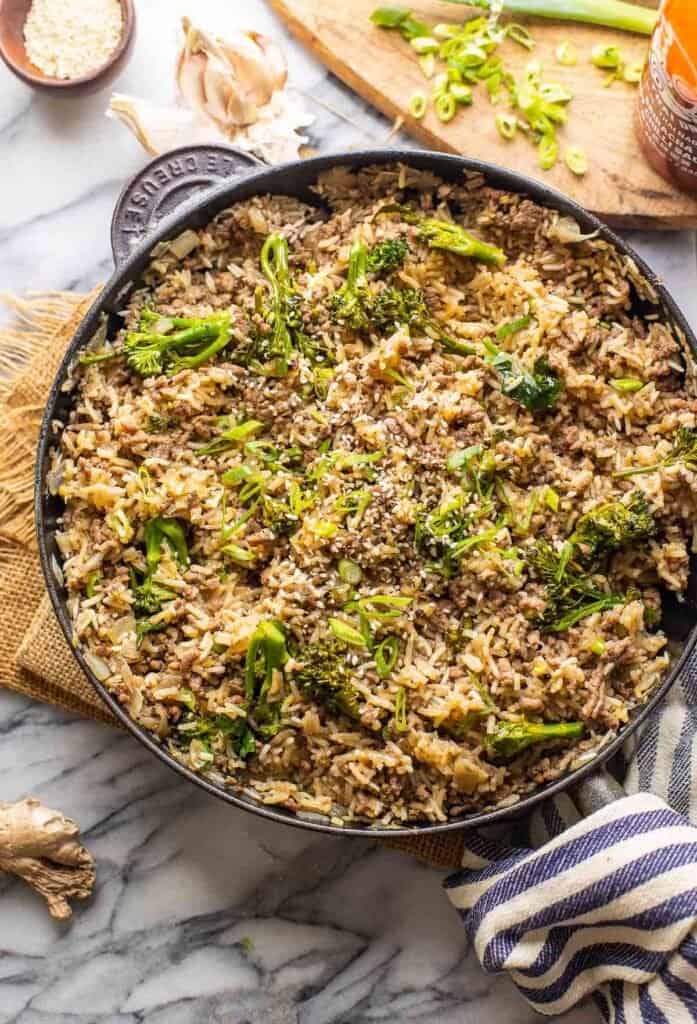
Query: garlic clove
point(191, 67)
point(248, 64)
point(158, 128)
point(275, 61)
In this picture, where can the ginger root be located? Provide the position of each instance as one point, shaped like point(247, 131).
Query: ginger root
point(43, 847)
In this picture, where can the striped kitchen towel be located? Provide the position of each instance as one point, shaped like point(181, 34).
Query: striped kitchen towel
point(603, 906)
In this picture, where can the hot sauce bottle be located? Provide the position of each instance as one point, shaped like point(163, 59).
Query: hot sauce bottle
point(666, 117)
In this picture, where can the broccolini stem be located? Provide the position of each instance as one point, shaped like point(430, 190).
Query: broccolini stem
point(611, 13)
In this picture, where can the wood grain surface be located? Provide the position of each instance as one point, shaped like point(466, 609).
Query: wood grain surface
point(381, 67)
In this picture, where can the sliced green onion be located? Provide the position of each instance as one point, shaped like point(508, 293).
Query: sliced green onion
point(623, 384)
point(453, 75)
point(555, 93)
point(417, 105)
point(386, 654)
point(533, 72)
point(548, 152)
point(349, 572)
point(530, 509)
point(598, 646)
point(461, 93)
point(424, 44)
point(441, 83)
point(346, 633)
point(145, 481)
point(567, 54)
point(633, 72)
point(519, 34)
point(119, 522)
point(400, 710)
point(323, 527)
point(576, 160)
point(383, 607)
point(512, 327)
point(187, 698)
point(242, 556)
point(445, 106)
point(506, 125)
point(93, 579)
point(427, 63)
point(551, 499)
point(606, 56)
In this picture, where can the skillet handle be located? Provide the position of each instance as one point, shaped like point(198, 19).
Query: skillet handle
point(166, 183)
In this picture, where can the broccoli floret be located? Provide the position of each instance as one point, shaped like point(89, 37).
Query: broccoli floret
point(184, 343)
point(684, 450)
point(442, 234)
point(235, 732)
point(392, 307)
point(511, 738)
point(348, 302)
point(284, 315)
point(385, 257)
point(612, 526)
point(325, 677)
point(266, 653)
point(537, 391)
point(571, 595)
point(148, 594)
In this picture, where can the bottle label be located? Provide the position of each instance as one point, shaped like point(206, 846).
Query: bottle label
point(668, 104)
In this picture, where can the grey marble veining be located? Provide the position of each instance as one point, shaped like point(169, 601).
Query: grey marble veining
point(203, 913)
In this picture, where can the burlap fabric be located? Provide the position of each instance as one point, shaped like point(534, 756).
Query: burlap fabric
point(34, 657)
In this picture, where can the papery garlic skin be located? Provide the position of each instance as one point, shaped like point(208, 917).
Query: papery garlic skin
point(231, 90)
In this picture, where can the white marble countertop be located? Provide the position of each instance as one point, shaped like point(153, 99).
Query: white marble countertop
point(204, 913)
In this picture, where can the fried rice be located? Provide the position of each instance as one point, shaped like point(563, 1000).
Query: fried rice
point(397, 500)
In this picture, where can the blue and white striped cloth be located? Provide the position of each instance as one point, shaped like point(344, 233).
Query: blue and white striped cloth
point(607, 905)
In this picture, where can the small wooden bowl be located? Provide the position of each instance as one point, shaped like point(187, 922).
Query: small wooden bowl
point(13, 14)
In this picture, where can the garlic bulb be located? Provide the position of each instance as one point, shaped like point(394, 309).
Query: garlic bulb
point(228, 81)
point(230, 90)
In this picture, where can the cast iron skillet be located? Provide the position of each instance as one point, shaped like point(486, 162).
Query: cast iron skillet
point(186, 188)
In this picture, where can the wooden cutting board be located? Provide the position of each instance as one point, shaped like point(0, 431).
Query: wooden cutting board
point(381, 67)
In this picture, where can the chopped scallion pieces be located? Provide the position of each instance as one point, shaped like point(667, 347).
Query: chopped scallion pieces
point(626, 384)
point(506, 125)
point(445, 106)
point(548, 152)
point(512, 327)
point(239, 555)
point(598, 646)
point(349, 572)
point(606, 56)
point(417, 105)
point(346, 633)
point(566, 54)
point(461, 93)
point(424, 44)
point(427, 63)
point(400, 710)
point(386, 654)
point(576, 160)
point(551, 499)
point(632, 73)
point(93, 579)
point(520, 35)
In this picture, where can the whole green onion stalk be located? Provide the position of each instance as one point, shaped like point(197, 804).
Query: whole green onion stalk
point(610, 13)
